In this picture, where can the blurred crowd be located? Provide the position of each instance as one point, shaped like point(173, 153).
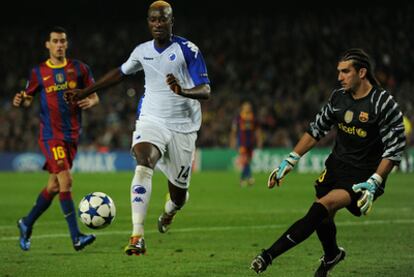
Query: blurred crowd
point(285, 63)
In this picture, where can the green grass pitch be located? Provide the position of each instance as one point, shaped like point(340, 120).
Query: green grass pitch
point(220, 230)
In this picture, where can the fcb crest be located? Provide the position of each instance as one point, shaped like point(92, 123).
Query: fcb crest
point(363, 117)
point(59, 78)
point(349, 115)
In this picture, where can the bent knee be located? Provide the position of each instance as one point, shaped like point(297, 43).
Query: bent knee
point(54, 189)
point(66, 185)
point(334, 202)
point(180, 201)
point(147, 162)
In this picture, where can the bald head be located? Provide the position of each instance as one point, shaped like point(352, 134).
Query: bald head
point(161, 5)
point(160, 22)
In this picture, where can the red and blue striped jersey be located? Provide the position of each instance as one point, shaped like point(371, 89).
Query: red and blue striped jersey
point(58, 119)
point(246, 128)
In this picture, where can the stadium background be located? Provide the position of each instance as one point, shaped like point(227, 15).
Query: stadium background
point(282, 57)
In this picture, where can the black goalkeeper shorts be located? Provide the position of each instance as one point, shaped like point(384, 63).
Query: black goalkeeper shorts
point(339, 175)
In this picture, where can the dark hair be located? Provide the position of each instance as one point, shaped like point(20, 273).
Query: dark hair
point(360, 59)
point(55, 29)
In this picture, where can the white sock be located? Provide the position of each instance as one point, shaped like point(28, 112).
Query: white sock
point(171, 208)
point(141, 187)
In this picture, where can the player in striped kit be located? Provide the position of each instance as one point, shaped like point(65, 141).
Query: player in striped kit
point(168, 116)
point(246, 135)
point(370, 141)
point(60, 126)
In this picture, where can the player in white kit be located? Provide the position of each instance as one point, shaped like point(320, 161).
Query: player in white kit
point(168, 116)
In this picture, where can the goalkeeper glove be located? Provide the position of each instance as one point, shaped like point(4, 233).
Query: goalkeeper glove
point(368, 190)
point(285, 166)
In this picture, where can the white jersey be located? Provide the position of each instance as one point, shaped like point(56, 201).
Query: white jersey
point(159, 104)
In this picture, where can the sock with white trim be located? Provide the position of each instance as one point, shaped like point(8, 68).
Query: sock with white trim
point(172, 208)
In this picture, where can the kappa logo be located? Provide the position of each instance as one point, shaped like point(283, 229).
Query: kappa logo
point(192, 47)
point(137, 200)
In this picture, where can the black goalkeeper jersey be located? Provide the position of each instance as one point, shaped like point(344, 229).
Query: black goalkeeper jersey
point(368, 129)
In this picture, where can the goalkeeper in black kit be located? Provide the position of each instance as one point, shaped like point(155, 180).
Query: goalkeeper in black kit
point(370, 140)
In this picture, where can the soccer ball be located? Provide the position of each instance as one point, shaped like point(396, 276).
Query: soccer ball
point(97, 210)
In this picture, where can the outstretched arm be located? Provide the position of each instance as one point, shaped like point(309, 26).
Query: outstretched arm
point(197, 92)
point(109, 79)
point(88, 102)
point(306, 143)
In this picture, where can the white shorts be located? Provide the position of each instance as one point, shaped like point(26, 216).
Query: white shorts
point(177, 150)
